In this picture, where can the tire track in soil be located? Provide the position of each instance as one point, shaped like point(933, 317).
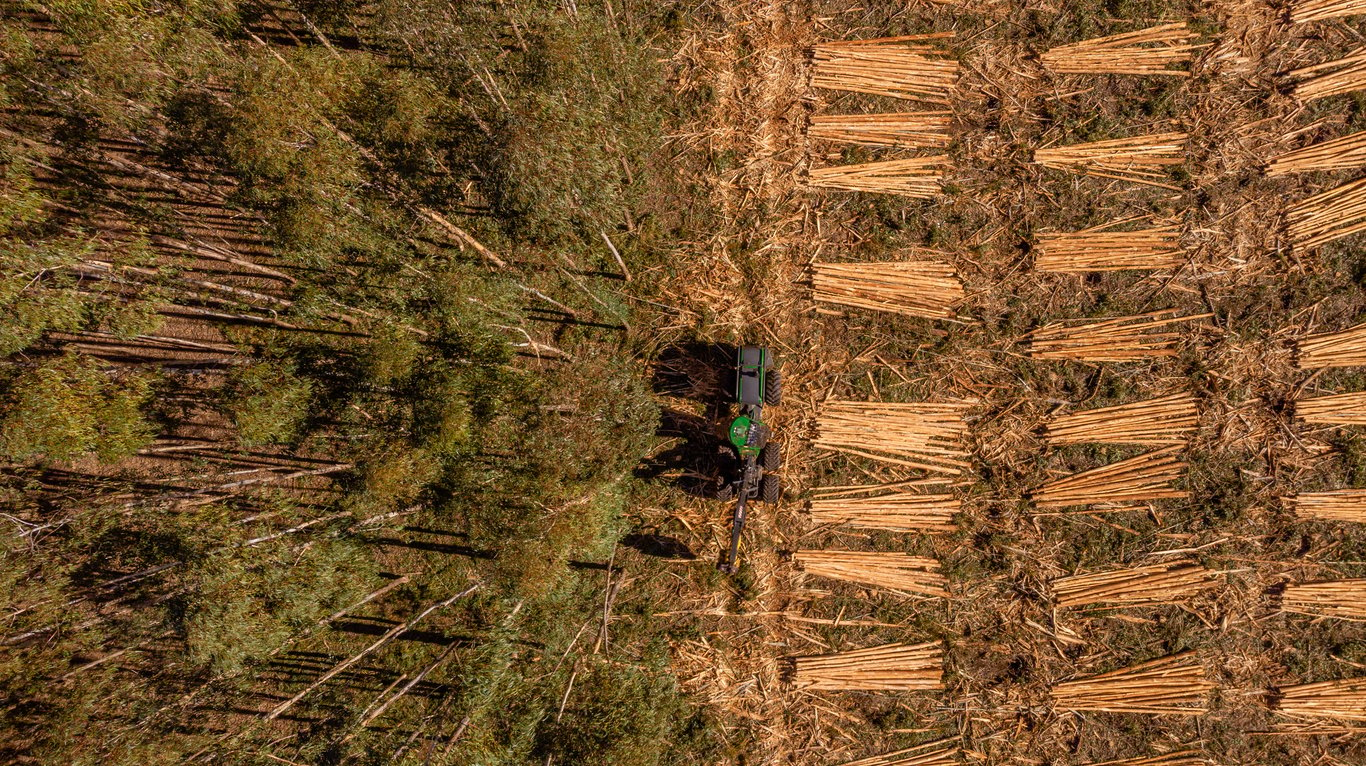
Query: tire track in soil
point(745, 280)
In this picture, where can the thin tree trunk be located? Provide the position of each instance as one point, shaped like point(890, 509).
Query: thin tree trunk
point(106, 267)
point(380, 643)
point(150, 571)
point(217, 254)
point(456, 735)
point(292, 530)
point(318, 33)
point(371, 596)
point(113, 655)
point(417, 679)
point(334, 468)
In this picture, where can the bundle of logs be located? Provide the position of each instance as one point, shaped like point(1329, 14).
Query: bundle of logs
point(1333, 409)
point(897, 130)
point(903, 67)
point(1144, 52)
point(899, 572)
point(1327, 216)
point(917, 177)
point(1181, 758)
point(1107, 250)
point(927, 289)
point(1154, 584)
point(890, 511)
point(1165, 420)
point(927, 436)
point(1343, 599)
point(1142, 159)
point(1344, 699)
point(1331, 78)
point(1343, 348)
point(1123, 339)
point(1332, 505)
point(937, 753)
point(1119, 484)
point(1173, 685)
point(891, 667)
point(1319, 10)
point(1346, 153)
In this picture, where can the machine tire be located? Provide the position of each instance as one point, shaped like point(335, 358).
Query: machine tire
point(725, 492)
point(771, 458)
point(773, 389)
point(770, 488)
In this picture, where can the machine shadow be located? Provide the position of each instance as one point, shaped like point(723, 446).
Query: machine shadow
point(699, 372)
point(698, 462)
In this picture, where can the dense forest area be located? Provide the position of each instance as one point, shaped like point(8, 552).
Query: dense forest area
point(321, 393)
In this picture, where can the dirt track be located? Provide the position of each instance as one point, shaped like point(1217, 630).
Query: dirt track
point(746, 279)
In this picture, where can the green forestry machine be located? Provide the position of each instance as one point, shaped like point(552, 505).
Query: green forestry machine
point(756, 384)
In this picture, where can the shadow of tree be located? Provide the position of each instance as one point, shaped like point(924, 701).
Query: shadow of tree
point(659, 546)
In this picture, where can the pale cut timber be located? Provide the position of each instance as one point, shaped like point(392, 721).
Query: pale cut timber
point(893, 512)
point(1343, 348)
point(1122, 339)
point(896, 130)
point(1344, 700)
point(1332, 505)
point(1333, 410)
point(1181, 758)
point(898, 67)
point(928, 289)
point(1305, 11)
point(894, 571)
point(926, 435)
point(1331, 78)
point(1141, 159)
point(1173, 685)
point(1150, 51)
point(942, 752)
point(1327, 216)
point(1339, 599)
point(890, 667)
point(1165, 420)
point(1100, 250)
point(917, 177)
point(1140, 479)
point(1145, 585)
point(1345, 153)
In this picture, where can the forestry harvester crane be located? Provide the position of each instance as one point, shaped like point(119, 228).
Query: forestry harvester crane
point(756, 384)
